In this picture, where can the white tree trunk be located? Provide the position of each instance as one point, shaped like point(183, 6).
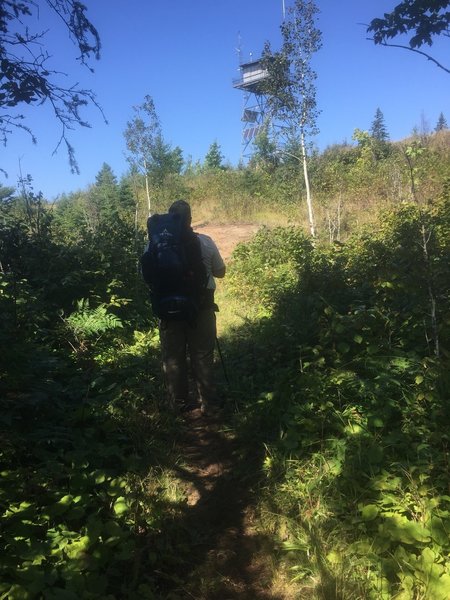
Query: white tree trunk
point(431, 295)
point(308, 189)
point(147, 190)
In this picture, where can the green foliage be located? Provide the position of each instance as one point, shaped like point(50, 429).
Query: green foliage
point(441, 123)
point(338, 389)
point(87, 326)
point(28, 79)
point(423, 20)
point(75, 456)
point(82, 429)
point(214, 157)
point(90, 322)
point(378, 127)
point(351, 402)
point(270, 265)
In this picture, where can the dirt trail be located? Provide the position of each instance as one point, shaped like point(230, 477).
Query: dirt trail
point(228, 558)
point(232, 561)
point(228, 236)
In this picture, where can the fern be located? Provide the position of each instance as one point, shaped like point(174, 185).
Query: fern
point(88, 322)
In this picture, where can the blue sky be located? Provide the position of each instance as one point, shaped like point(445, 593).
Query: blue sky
point(183, 54)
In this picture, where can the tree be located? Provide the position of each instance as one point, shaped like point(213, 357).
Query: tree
point(140, 136)
point(26, 77)
point(424, 127)
point(441, 123)
point(424, 19)
point(265, 153)
point(165, 161)
point(290, 85)
point(378, 128)
point(379, 135)
point(149, 153)
point(214, 157)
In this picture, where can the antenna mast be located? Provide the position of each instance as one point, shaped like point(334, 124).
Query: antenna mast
point(239, 48)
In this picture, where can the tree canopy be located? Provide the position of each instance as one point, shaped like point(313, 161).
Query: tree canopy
point(214, 157)
point(422, 20)
point(26, 77)
point(149, 153)
point(378, 128)
point(291, 84)
point(441, 123)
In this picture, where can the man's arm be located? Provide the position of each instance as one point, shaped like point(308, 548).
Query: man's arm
point(220, 272)
point(217, 265)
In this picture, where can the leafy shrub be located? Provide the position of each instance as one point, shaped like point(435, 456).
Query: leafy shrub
point(352, 383)
point(264, 269)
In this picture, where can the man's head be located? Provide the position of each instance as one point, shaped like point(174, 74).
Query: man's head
point(182, 208)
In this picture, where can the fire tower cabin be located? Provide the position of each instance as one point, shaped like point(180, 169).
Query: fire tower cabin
point(252, 75)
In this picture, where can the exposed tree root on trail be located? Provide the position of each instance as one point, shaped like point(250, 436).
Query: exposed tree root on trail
point(228, 558)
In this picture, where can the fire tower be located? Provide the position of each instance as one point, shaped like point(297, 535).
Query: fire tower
point(254, 113)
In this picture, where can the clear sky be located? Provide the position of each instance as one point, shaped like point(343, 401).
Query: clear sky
point(183, 54)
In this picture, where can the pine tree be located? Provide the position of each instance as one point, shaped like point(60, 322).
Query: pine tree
point(214, 157)
point(378, 128)
point(441, 123)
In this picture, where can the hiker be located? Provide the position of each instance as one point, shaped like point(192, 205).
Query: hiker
point(186, 310)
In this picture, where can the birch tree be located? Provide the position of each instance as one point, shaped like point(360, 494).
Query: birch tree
point(150, 154)
point(141, 136)
point(291, 90)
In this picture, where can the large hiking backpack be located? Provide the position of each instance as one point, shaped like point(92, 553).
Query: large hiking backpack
point(173, 269)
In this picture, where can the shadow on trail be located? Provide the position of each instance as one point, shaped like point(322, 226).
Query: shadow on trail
point(216, 552)
point(353, 408)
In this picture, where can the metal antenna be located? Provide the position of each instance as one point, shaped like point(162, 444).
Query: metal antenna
point(239, 48)
point(284, 10)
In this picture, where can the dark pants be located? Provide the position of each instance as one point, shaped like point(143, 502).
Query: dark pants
point(180, 339)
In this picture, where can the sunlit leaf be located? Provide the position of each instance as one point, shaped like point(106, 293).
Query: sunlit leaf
point(120, 506)
point(369, 512)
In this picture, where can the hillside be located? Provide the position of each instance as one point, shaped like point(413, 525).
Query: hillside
point(325, 474)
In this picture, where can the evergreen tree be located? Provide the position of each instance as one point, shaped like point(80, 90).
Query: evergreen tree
point(441, 123)
point(7, 201)
point(165, 161)
point(107, 193)
point(378, 128)
point(214, 157)
point(265, 155)
point(379, 137)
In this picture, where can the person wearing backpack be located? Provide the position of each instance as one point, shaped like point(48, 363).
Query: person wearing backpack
point(179, 266)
